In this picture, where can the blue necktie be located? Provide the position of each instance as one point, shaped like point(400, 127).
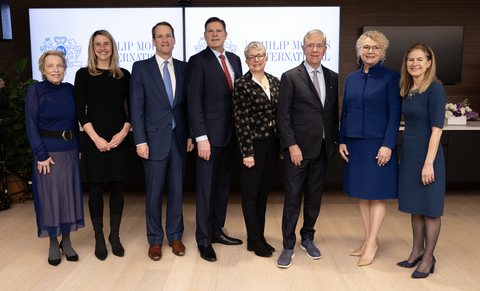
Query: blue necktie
point(168, 87)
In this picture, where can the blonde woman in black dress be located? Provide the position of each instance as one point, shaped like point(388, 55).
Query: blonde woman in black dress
point(101, 100)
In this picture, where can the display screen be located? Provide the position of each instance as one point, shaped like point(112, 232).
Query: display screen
point(280, 29)
point(446, 43)
point(71, 31)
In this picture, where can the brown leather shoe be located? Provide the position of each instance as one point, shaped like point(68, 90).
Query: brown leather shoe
point(155, 252)
point(177, 247)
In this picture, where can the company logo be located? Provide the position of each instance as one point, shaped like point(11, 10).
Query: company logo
point(228, 45)
point(69, 47)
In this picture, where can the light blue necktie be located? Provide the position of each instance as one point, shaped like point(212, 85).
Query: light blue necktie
point(168, 87)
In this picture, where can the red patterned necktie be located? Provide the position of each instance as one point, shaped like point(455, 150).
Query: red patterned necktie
point(225, 69)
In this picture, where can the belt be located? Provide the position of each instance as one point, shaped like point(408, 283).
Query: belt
point(66, 134)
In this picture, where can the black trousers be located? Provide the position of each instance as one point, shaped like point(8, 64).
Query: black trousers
point(309, 178)
point(256, 184)
point(213, 187)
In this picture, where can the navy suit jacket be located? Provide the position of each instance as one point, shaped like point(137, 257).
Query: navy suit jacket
point(301, 117)
point(372, 105)
point(151, 110)
point(210, 108)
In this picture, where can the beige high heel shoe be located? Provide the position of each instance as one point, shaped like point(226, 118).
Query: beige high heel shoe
point(363, 262)
point(358, 252)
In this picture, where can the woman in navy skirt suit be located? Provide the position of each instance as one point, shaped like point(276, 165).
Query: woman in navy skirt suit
point(368, 137)
point(421, 183)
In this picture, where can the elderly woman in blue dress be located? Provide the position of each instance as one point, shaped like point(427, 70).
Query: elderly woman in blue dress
point(421, 183)
point(53, 132)
point(368, 138)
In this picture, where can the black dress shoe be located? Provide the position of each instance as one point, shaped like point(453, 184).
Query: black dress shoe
point(269, 247)
point(226, 240)
point(207, 253)
point(259, 248)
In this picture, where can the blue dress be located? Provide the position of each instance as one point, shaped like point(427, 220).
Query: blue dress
point(421, 113)
point(370, 119)
point(58, 195)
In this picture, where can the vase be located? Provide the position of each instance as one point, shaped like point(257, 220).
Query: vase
point(15, 185)
point(461, 120)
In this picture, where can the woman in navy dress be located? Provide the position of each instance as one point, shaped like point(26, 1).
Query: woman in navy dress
point(54, 135)
point(368, 137)
point(101, 94)
point(421, 184)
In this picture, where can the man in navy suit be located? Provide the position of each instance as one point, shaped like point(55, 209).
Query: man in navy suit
point(209, 81)
point(160, 129)
point(307, 119)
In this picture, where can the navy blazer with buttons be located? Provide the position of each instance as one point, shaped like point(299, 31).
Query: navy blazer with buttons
point(210, 106)
point(151, 110)
point(371, 105)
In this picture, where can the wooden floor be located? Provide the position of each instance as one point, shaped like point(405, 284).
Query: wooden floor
point(23, 256)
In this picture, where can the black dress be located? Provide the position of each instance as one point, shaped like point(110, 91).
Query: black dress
point(101, 100)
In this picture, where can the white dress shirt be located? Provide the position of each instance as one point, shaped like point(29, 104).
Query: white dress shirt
point(320, 78)
point(232, 75)
point(161, 64)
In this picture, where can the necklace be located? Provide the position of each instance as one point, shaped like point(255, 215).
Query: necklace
point(412, 93)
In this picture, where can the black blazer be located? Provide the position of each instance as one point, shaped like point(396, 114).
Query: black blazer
point(254, 111)
point(209, 99)
point(301, 117)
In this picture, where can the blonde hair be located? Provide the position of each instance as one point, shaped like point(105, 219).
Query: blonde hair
point(41, 60)
point(406, 80)
point(376, 36)
point(92, 57)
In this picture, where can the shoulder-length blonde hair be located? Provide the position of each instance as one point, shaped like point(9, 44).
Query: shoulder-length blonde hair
point(92, 57)
point(406, 80)
point(41, 61)
point(376, 36)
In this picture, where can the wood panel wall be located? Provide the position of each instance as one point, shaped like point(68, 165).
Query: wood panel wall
point(353, 15)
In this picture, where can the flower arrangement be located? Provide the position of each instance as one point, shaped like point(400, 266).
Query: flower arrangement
point(460, 109)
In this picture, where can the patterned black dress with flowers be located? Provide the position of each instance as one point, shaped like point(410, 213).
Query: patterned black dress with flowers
point(421, 113)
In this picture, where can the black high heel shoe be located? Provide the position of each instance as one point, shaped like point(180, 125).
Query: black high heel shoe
point(54, 262)
point(406, 264)
point(69, 258)
point(420, 275)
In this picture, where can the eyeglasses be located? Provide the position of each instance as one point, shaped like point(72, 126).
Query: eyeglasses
point(311, 46)
point(375, 49)
point(260, 57)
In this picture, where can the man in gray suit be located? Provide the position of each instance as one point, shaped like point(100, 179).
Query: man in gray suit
point(307, 119)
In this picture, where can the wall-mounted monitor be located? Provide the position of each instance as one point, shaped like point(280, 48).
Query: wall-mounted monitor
point(445, 41)
point(70, 30)
point(280, 29)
